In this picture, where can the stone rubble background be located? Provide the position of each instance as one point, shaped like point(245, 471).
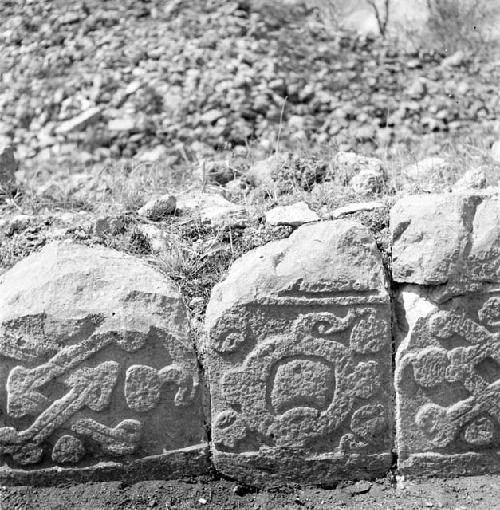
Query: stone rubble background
point(119, 78)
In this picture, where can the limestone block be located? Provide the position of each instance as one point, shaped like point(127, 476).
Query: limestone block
point(8, 167)
point(448, 333)
point(298, 357)
point(98, 373)
point(448, 384)
point(447, 240)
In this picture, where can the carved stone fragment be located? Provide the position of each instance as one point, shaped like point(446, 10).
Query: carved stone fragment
point(96, 369)
point(448, 358)
point(298, 355)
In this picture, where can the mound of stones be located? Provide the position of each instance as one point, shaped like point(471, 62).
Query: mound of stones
point(124, 78)
point(294, 377)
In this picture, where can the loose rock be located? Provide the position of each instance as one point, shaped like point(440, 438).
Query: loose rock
point(80, 122)
point(158, 208)
point(8, 168)
point(429, 174)
point(211, 208)
point(473, 179)
point(354, 208)
point(294, 215)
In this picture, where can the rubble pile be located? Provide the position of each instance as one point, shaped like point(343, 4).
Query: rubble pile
point(124, 78)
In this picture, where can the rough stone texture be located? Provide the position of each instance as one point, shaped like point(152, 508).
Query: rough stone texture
point(261, 173)
point(448, 333)
point(8, 167)
point(473, 179)
point(366, 175)
point(98, 372)
point(429, 174)
point(298, 357)
point(495, 152)
point(294, 215)
point(354, 208)
point(80, 122)
point(446, 239)
point(158, 208)
point(211, 208)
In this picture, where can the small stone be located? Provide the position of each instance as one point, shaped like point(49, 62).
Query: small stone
point(457, 59)
point(236, 187)
point(418, 89)
point(354, 208)
point(495, 152)
point(212, 208)
point(473, 179)
point(81, 122)
point(8, 167)
point(361, 487)
point(19, 223)
point(297, 123)
point(429, 174)
point(212, 116)
point(202, 501)
point(158, 208)
point(122, 125)
point(153, 155)
point(155, 237)
point(366, 175)
point(293, 215)
point(368, 181)
point(108, 225)
point(261, 174)
point(196, 302)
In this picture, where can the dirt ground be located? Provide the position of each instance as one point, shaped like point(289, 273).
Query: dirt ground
point(481, 492)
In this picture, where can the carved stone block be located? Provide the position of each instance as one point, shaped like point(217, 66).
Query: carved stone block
point(448, 358)
point(298, 355)
point(97, 372)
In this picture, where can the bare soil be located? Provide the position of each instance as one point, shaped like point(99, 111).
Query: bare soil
point(481, 492)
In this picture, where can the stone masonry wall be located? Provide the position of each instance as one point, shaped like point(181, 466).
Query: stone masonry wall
point(315, 366)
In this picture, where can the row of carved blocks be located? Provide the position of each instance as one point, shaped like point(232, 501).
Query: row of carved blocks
point(294, 378)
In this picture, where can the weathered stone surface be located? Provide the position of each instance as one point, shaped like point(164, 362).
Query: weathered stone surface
point(448, 334)
point(354, 208)
point(298, 356)
point(294, 215)
point(211, 208)
point(80, 122)
point(473, 179)
point(158, 208)
point(495, 152)
point(365, 174)
point(261, 173)
point(448, 384)
point(368, 180)
point(98, 372)
point(446, 239)
point(429, 174)
point(8, 167)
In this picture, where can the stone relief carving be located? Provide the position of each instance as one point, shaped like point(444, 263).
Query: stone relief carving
point(85, 387)
point(453, 357)
point(304, 384)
